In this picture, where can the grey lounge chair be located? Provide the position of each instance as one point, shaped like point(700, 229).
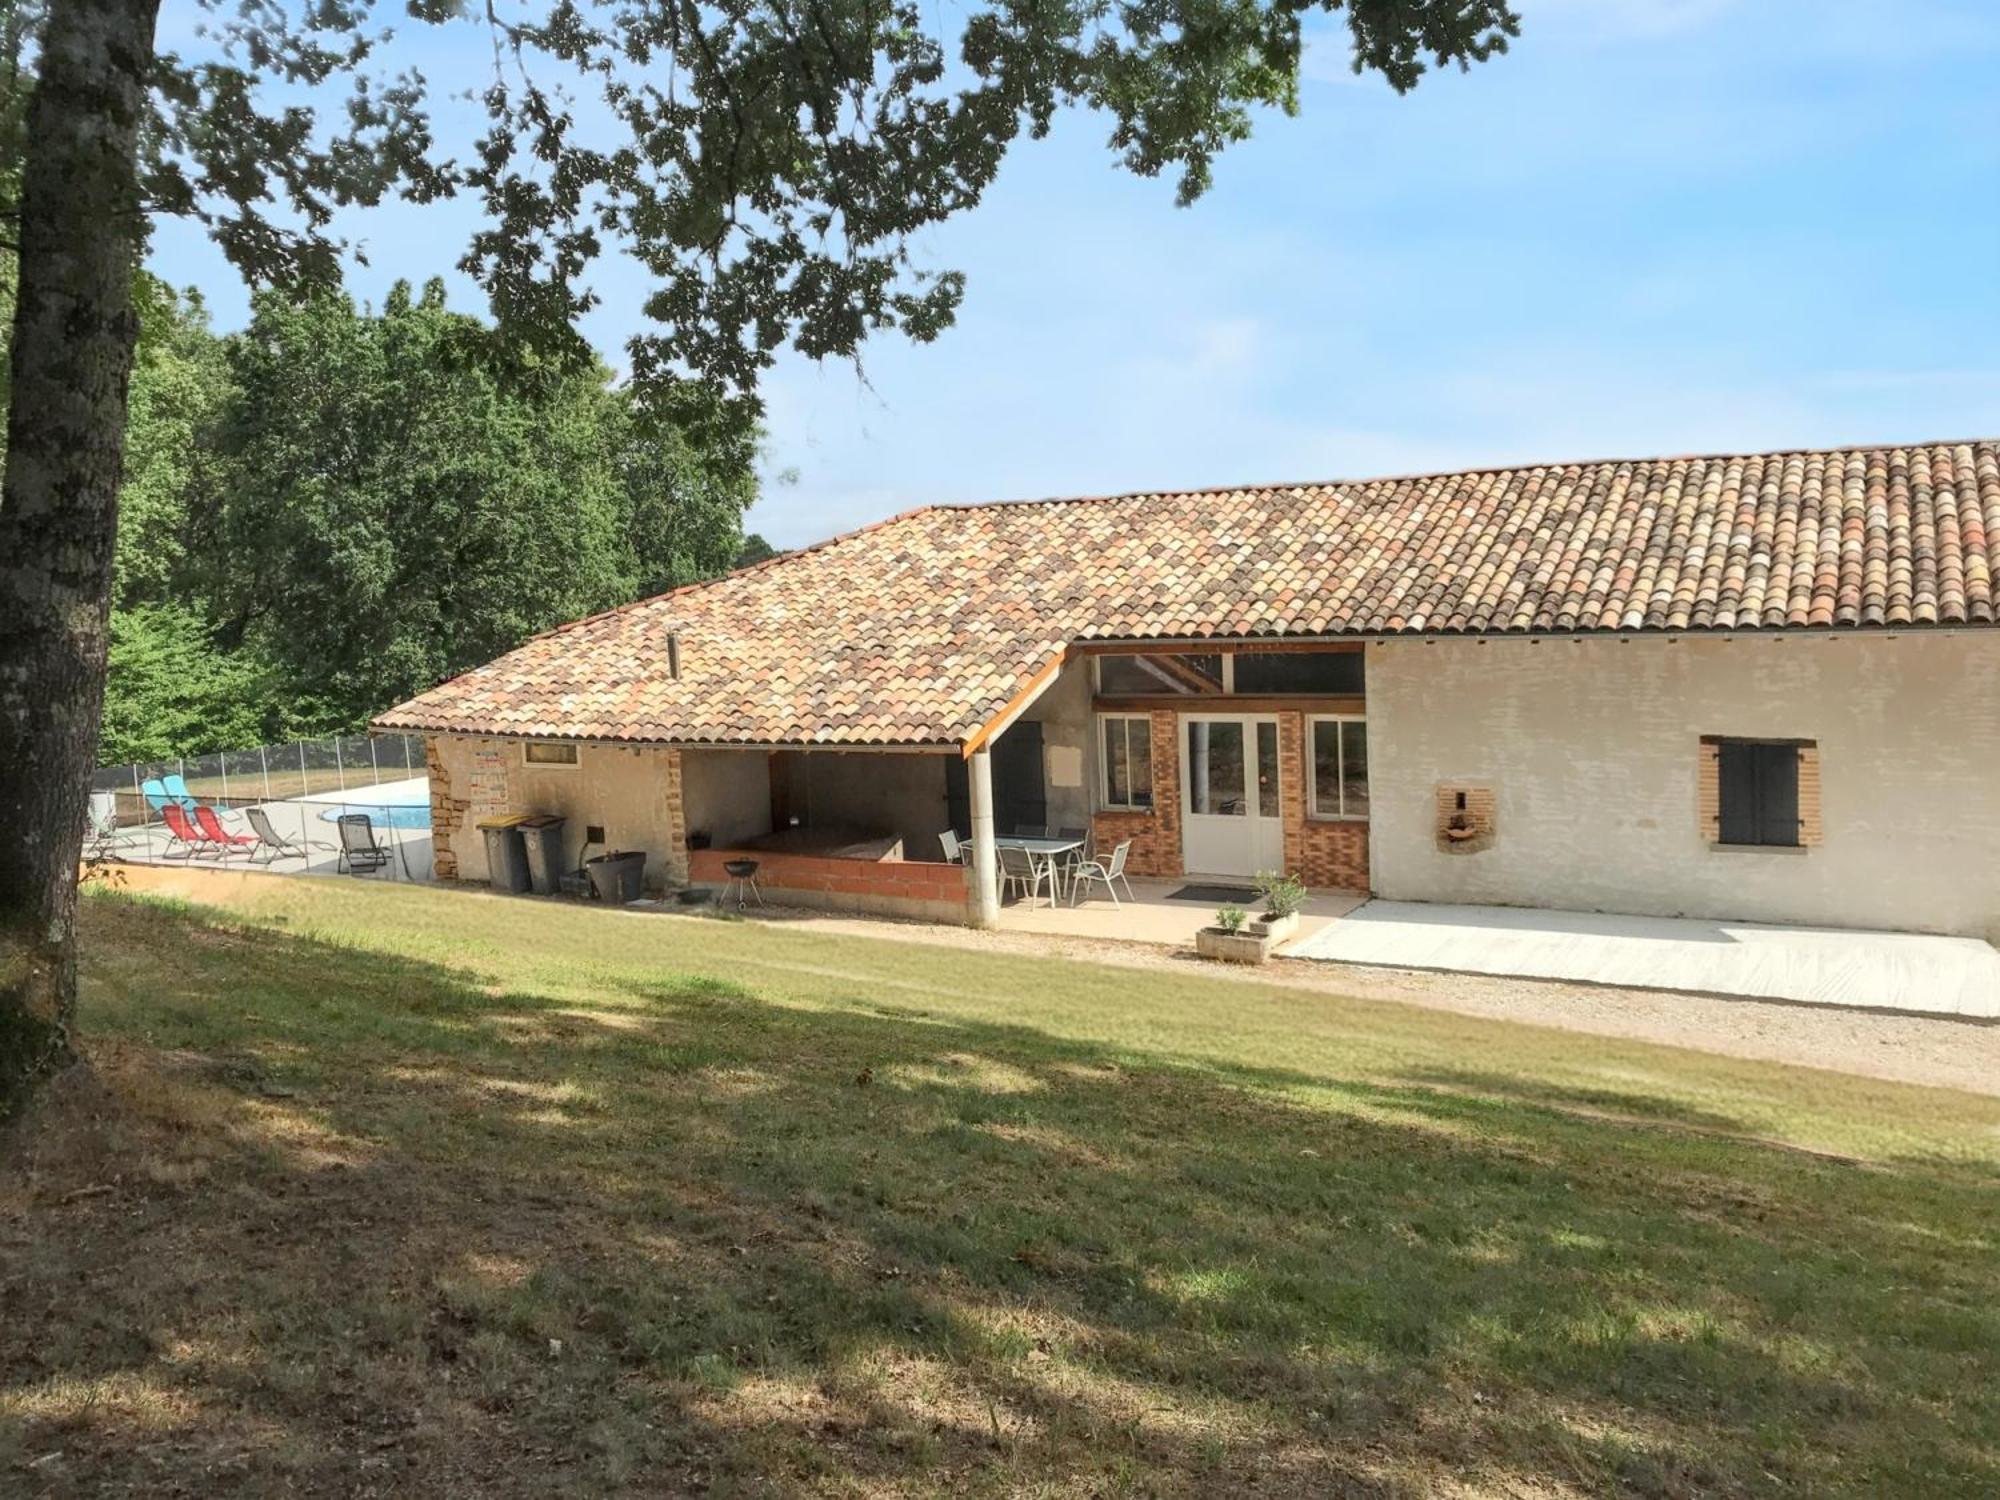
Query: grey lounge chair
point(271, 845)
point(359, 853)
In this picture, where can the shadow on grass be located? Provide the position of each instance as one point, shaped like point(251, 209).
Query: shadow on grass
point(373, 1222)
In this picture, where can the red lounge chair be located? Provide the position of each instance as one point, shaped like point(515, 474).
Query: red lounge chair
point(212, 830)
point(183, 838)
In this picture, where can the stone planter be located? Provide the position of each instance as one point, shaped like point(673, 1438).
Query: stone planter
point(1277, 929)
point(1245, 947)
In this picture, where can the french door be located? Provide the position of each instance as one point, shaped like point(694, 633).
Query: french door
point(1230, 824)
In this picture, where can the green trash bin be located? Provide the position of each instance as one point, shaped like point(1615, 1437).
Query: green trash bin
point(506, 855)
point(543, 835)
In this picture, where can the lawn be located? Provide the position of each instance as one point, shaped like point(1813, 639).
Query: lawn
point(393, 1191)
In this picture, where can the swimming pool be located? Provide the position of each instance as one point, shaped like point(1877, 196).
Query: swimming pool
point(392, 804)
point(383, 814)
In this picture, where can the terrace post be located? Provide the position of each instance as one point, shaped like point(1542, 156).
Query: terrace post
point(985, 856)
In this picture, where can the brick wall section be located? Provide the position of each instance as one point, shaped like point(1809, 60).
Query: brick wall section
point(1708, 794)
point(677, 847)
point(886, 887)
point(447, 813)
point(1812, 827)
point(1327, 854)
point(1480, 814)
point(1155, 835)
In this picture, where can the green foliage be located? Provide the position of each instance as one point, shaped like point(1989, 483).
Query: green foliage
point(174, 693)
point(768, 166)
point(1283, 894)
point(335, 509)
point(180, 387)
point(1231, 918)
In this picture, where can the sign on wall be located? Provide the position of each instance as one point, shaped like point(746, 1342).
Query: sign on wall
point(486, 782)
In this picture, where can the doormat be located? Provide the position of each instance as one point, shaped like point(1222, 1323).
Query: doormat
point(1209, 895)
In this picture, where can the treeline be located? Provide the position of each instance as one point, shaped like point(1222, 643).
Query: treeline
point(336, 508)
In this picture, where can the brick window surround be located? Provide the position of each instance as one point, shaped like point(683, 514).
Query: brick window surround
point(1326, 853)
point(1708, 793)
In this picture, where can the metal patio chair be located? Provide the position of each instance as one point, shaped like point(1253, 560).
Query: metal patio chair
point(1108, 872)
point(1021, 871)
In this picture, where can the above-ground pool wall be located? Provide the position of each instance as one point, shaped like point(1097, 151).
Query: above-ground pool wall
point(632, 793)
point(1592, 751)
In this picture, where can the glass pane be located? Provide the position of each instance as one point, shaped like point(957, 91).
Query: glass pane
point(1155, 675)
point(1354, 769)
point(1267, 770)
point(1117, 769)
point(1326, 768)
point(1139, 733)
point(1215, 768)
point(1334, 673)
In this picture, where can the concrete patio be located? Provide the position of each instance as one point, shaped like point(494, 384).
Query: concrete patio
point(1153, 916)
point(1896, 971)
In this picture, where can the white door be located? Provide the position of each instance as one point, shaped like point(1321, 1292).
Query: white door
point(1229, 795)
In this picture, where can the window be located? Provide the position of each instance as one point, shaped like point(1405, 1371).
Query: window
point(1340, 767)
point(1127, 743)
point(1158, 676)
point(1333, 674)
point(548, 753)
point(1756, 792)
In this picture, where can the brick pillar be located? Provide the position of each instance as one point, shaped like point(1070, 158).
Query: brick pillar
point(1166, 852)
point(677, 836)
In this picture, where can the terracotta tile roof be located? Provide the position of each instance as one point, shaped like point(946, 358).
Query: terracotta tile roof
point(923, 628)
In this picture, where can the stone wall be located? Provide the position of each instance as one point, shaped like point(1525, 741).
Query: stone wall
point(447, 812)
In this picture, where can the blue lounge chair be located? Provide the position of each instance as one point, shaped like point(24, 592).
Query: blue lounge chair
point(155, 795)
point(176, 787)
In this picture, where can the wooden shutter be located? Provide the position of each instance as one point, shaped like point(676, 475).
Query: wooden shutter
point(1762, 793)
point(1777, 778)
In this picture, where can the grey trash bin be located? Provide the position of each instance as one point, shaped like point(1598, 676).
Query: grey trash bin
point(543, 834)
point(617, 877)
point(506, 857)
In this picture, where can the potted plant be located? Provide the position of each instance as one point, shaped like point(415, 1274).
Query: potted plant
point(1227, 940)
point(1283, 896)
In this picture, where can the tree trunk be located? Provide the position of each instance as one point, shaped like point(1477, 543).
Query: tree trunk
point(74, 332)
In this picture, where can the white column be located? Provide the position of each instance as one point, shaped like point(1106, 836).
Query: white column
point(985, 857)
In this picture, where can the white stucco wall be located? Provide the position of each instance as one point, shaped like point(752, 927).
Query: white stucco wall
point(1592, 749)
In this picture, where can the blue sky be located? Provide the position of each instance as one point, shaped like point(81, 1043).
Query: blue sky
point(1655, 226)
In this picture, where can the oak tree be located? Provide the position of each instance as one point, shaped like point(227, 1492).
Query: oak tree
point(766, 162)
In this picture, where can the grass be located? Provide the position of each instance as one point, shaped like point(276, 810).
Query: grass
point(393, 1191)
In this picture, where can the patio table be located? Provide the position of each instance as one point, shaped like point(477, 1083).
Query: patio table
point(1042, 851)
